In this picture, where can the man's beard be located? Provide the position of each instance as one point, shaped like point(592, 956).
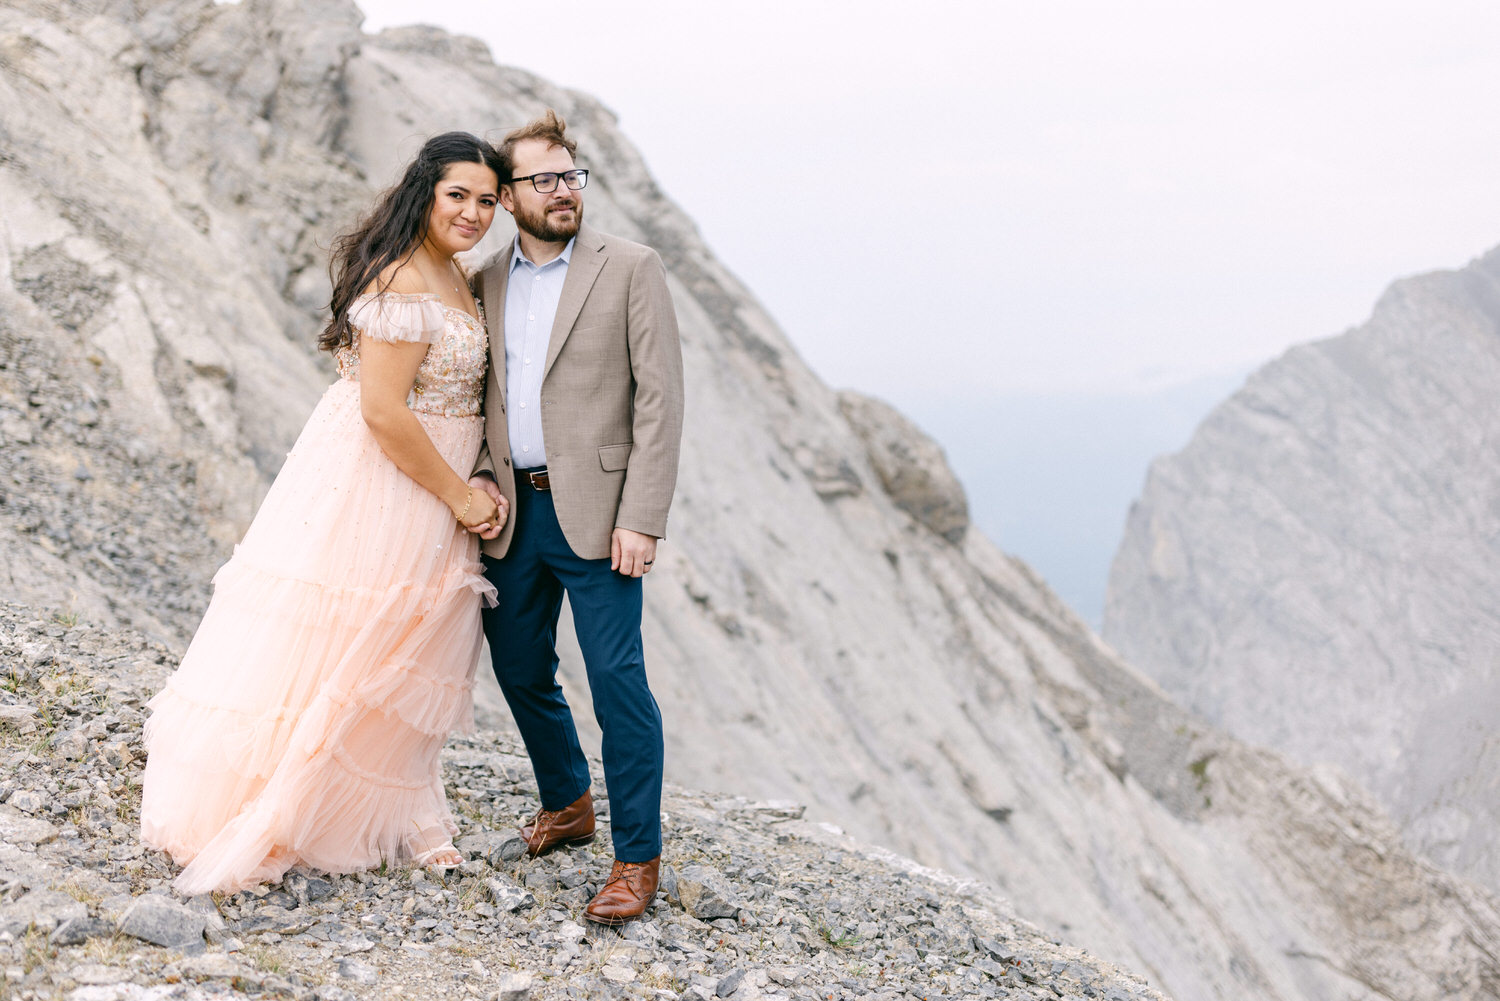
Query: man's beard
point(543, 228)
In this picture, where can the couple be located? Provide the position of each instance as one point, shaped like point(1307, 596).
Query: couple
point(542, 421)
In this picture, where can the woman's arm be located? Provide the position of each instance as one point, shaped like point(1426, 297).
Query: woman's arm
point(386, 373)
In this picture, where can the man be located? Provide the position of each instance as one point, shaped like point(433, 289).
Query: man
point(583, 421)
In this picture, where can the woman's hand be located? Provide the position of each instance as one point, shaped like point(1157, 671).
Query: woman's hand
point(491, 529)
point(478, 511)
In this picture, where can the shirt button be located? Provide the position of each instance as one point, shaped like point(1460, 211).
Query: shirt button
point(525, 448)
point(523, 406)
point(537, 278)
point(531, 317)
point(528, 361)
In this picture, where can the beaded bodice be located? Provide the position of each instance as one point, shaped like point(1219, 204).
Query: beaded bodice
point(450, 381)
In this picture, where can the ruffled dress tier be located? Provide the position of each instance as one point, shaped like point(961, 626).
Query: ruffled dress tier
point(304, 723)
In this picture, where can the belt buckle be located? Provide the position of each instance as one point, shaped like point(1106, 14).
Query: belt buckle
point(538, 479)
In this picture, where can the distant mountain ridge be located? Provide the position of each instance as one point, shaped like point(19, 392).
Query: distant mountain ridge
point(823, 624)
point(1318, 569)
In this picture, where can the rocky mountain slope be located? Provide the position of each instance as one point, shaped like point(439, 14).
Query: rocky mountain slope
point(1316, 571)
point(821, 626)
point(758, 902)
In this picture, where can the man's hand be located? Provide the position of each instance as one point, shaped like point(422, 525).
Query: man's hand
point(631, 553)
point(491, 530)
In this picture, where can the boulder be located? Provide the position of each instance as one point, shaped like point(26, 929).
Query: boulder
point(911, 465)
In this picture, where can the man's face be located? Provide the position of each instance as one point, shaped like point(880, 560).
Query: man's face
point(553, 217)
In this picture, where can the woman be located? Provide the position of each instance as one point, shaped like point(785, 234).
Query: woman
point(304, 723)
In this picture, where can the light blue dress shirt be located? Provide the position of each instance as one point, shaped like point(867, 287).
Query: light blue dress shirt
point(531, 296)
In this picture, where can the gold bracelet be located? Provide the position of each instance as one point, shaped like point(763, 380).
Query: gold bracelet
point(467, 504)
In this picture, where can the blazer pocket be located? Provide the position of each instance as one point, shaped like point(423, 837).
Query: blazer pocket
point(614, 457)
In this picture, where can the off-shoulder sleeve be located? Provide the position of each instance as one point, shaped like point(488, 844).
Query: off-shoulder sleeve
point(395, 316)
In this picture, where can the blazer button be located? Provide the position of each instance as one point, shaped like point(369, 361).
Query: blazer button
point(506, 460)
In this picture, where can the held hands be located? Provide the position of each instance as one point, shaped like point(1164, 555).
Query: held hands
point(478, 510)
point(490, 528)
point(631, 553)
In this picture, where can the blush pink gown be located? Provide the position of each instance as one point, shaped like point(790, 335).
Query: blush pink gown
point(304, 723)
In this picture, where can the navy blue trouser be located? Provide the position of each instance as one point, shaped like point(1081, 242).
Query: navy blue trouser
point(522, 631)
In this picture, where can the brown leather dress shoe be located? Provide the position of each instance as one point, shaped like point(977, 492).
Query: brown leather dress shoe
point(572, 825)
point(629, 890)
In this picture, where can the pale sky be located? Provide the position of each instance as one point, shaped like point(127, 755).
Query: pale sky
point(969, 198)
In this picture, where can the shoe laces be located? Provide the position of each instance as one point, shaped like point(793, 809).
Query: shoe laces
point(623, 871)
point(542, 824)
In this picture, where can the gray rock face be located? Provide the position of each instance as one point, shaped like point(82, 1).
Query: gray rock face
point(17, 828)
point(163, 921)
point(357, 971)
point(818, 630)
point(704, 894)
point(911, 466)
point(1317, 570)
point(43, 910)
point(514, 987)
point(506, 895)
point(79, 929)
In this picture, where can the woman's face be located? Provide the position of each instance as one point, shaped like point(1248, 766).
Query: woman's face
point(463, 206)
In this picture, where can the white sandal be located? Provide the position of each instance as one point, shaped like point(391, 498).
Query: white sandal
point(429, 860)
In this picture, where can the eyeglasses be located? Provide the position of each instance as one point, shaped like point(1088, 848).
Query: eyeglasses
point(546, 182)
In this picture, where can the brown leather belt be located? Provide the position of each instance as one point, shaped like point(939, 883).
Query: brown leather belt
point(536, 477)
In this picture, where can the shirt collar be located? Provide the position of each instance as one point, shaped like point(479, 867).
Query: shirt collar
point(517, 257)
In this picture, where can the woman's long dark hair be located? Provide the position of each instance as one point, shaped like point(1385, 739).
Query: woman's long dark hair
point(395, 227)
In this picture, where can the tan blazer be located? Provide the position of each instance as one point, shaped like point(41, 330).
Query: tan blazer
point(611, 394)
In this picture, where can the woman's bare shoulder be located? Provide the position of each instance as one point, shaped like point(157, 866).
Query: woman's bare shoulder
point(400, 277)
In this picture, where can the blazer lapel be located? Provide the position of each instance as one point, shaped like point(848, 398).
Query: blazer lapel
point(496, 279)
point(583, 267)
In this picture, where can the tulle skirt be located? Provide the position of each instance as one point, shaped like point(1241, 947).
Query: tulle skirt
point(304, 724)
